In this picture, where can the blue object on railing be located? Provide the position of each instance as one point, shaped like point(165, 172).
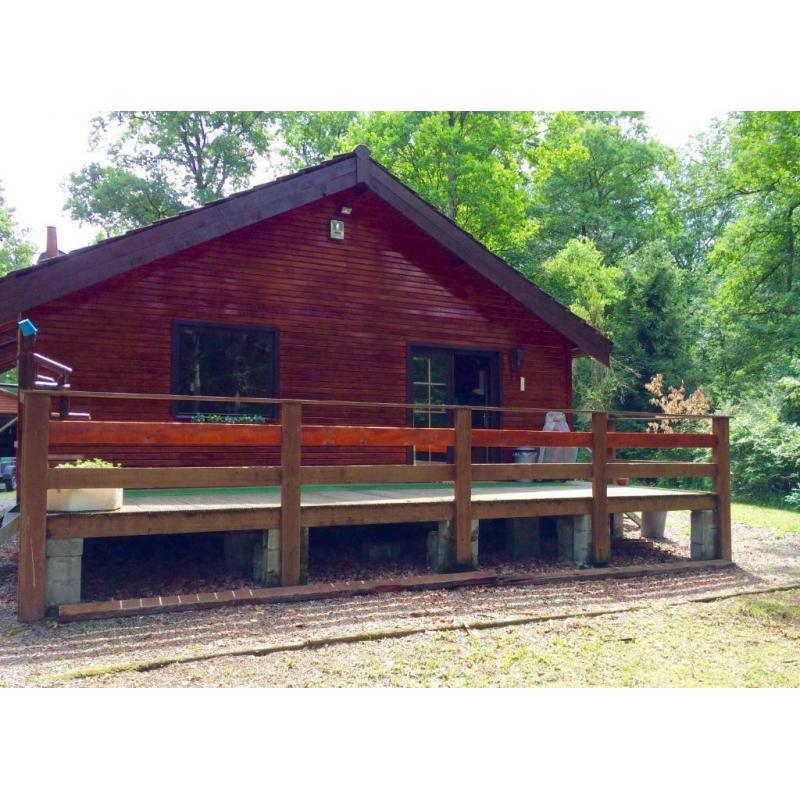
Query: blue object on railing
point(27, 327)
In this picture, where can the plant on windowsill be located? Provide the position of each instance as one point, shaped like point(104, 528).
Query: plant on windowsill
point(239, 419)
point(88, 499)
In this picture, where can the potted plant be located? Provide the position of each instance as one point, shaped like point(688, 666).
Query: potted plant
point(94, 499)
point(674, 402)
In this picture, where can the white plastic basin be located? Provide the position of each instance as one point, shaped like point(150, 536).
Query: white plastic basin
point(84, 499)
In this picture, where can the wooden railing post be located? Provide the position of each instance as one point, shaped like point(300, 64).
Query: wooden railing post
point(722, 485)
point(601, 541)
point(26, 374)
point(34, 441)
point(463, 486)
point(291, 437)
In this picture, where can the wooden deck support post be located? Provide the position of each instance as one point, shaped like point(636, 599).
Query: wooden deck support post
point(291, 436)
point(463, 487)
point(34, 441)
point(601, 541)
point(722, 485)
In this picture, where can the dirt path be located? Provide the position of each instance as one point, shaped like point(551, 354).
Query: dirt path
point(37, 654)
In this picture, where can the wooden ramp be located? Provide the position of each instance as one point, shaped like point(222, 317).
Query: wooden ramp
point(326, 591)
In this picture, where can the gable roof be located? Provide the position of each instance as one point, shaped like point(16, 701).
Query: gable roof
point(24, 289)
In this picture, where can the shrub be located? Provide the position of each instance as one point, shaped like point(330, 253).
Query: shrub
point(765, 452)
point(675, 401)
point(89, 463)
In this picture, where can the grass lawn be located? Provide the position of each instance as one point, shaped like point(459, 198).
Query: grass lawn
point(781, 520)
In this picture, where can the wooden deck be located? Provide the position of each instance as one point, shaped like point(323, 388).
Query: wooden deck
point(292, 495)
point(193, 511)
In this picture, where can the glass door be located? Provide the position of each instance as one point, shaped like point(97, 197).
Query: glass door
point(442, 376)
point(431, 386)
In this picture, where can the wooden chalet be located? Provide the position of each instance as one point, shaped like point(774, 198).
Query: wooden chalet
point(329, 327)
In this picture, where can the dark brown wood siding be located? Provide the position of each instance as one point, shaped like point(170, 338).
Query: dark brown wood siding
point(345, 311)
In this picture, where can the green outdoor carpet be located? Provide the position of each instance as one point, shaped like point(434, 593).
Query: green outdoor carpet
point(331, 487)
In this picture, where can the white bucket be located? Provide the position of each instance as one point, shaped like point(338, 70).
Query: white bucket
point(84, 499)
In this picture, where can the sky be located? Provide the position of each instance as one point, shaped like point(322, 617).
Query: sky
point(36, 158)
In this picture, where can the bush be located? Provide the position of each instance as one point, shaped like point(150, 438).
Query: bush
point(765, 452)
point(89, 463)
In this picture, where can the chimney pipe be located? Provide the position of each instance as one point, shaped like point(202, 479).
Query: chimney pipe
point(52, 242)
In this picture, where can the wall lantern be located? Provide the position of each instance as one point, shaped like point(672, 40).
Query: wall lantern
point(516, 359)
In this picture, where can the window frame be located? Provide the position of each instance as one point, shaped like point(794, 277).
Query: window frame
point(231, 326)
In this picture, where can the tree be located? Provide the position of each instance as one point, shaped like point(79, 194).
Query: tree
point(308, 137)
point(474, 166)
point(578, 277)
point(754, 297)
point(598, 175)
point(161, 162)
point(116, 200)
point(15, 250)
point(653, 324)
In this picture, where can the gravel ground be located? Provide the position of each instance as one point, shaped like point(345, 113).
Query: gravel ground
point(37, 654)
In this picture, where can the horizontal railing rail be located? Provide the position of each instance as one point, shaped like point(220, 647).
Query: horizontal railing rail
point(290, 435)
point(193, 434)
point(279, 401)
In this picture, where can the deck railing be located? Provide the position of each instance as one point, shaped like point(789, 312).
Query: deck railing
point(40, 430)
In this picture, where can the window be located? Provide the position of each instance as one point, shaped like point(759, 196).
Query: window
point(225, 361)
point(430, 386)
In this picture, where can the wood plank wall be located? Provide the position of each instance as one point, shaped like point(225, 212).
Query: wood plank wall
point(345, 310)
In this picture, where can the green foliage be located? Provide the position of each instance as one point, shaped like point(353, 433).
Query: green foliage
point(579, 278)
point(599, 176)
point(765, 449)
point(243, 419)
point(472, 165)
point(653, 325)
point(117, 200)
point(89, 463)
point(755, 301)
point(789, 394)
point(163, 161)
point(15, 250)
point(308, 137)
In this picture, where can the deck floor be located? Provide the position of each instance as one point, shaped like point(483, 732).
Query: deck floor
point(195, 510)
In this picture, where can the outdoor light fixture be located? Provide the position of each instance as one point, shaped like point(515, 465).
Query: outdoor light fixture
point(517, 358)
point(346, 211)
point(27, 328)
